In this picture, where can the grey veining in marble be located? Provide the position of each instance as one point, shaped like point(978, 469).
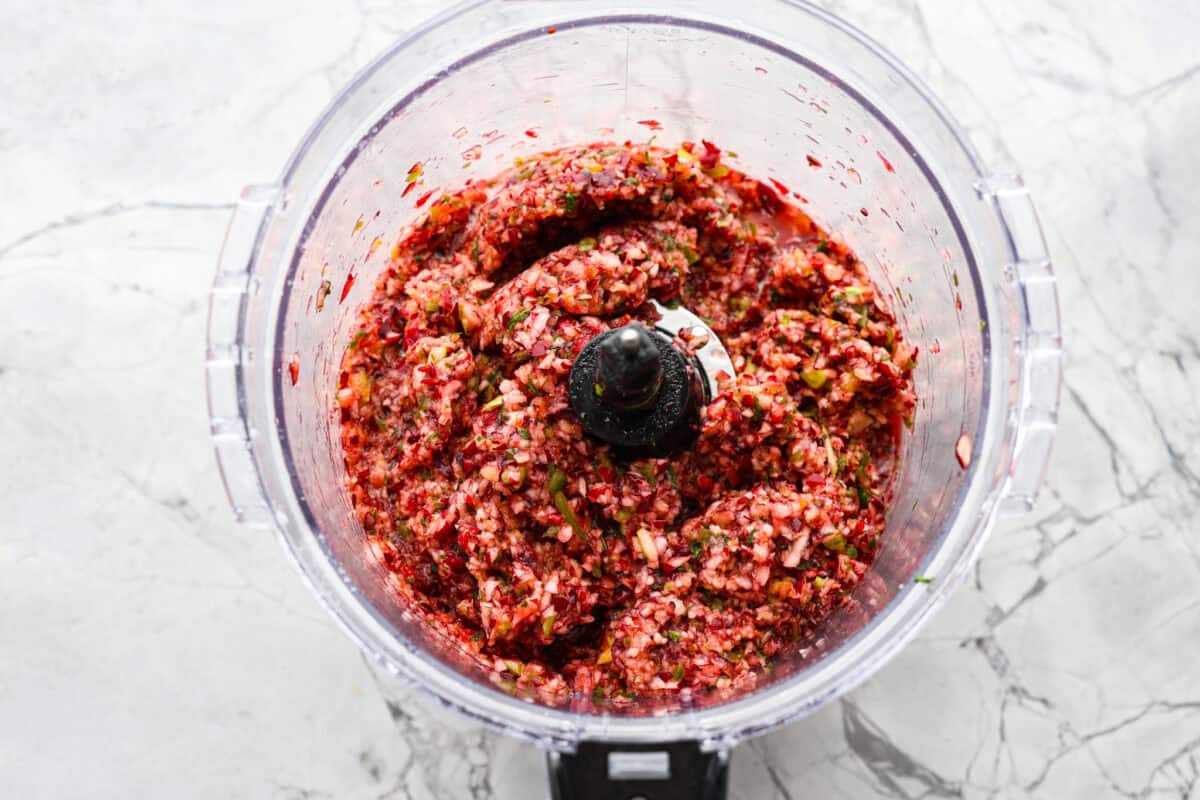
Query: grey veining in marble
point(148, 648)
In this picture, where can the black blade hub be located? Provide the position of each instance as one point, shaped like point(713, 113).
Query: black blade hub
point(631, 387)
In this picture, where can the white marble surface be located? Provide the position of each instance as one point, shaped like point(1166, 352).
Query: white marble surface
point(148, 648)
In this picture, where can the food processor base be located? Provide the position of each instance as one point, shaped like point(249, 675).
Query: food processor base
point(670, 771)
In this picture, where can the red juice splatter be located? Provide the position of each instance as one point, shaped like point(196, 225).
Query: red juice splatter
point(962, 451)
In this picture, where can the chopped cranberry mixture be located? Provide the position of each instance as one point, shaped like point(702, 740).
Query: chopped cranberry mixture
point(567, 571)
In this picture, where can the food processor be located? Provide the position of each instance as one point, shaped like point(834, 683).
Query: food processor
point(793, 95)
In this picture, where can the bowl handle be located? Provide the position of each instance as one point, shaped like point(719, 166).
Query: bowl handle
point(664, 771)
point(1032, 293)
point(227, 358)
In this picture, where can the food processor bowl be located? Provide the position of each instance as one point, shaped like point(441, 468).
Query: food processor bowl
point(792, 94)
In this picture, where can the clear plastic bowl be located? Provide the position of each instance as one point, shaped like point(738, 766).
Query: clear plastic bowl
point(801, 97)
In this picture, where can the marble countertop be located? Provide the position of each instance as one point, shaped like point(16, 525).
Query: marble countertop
point(149, 648)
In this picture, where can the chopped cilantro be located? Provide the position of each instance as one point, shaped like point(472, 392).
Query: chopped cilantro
point(556, 480)
point(835, 542)
point(517, 317)
point(647, 472)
